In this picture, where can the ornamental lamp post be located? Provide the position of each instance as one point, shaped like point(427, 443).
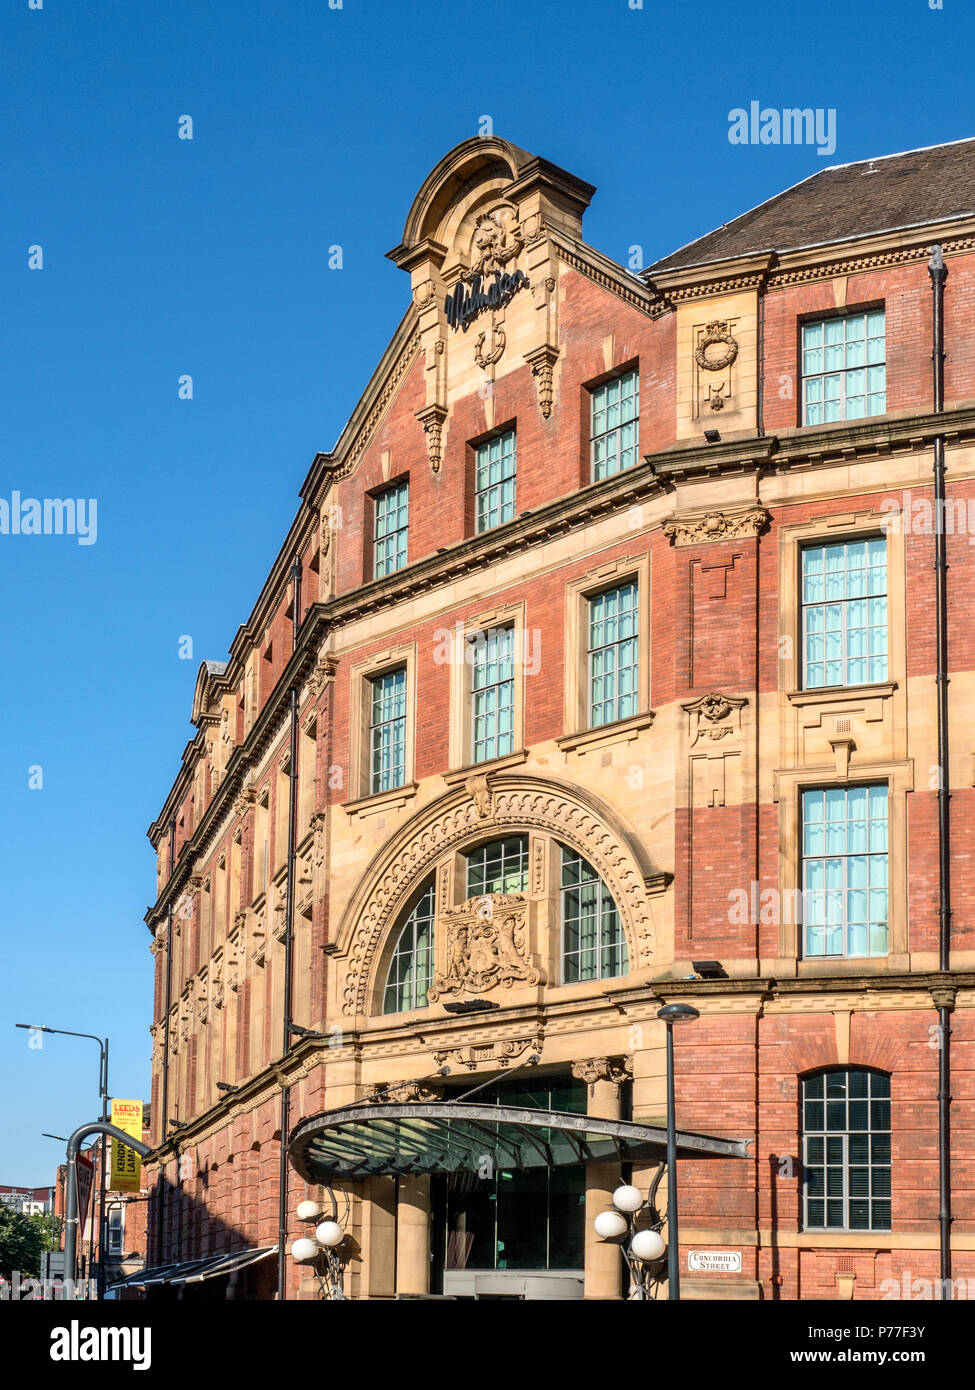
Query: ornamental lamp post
point(671, 1014)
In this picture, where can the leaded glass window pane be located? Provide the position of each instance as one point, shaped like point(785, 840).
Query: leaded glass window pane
point(387, 731)
point(411, 968)
point(844, 871)
point(844, 370)
point(614, 684)
point(492, 694)
point(392, 527)
point(494, 481)
point(846, 1151)
point(844, 613)
point(614, 425)
point(593, 941)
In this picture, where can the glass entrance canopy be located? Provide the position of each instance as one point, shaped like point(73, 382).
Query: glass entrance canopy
point(365, 1141)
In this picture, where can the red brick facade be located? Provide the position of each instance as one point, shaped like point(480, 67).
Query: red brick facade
point(718, 618)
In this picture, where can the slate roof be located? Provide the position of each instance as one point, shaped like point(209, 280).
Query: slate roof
point(845, 200)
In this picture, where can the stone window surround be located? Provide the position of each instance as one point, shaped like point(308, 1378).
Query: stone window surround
point(361, 674)
point(789, 786)
point(577, 595)
point(824, 530)
point(460, 738)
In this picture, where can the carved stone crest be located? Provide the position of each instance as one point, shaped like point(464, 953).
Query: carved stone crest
point(714, 716)
point(486, 946)
point(401, 1092)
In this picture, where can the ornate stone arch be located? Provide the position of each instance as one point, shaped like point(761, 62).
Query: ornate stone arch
point(506, 803)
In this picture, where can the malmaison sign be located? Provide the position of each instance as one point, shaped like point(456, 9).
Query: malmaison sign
point(466, 301)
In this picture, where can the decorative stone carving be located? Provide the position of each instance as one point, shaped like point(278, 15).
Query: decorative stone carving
point(479, 791)
point(614, 1069)
point(324, 672)
point(717, 348)
point(715, 526)
point(485, 357)
point(497, 240)
point(714, 716)
point(485, 946)
point(401, 1092)
point(279, 924)
point(542, 362)
point(432, 418)
point(493, 1054)
point(244, 800)
point(318, 820)
point(216, 980)
point(536, 803)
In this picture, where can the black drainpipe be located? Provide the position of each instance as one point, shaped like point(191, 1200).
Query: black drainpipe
point(289, 908)
point(161, 1183)
point(939, 274)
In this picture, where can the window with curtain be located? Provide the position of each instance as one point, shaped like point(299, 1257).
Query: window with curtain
point(844, 613)
point(411, 967)
point(846, 1151)
point(593, 940)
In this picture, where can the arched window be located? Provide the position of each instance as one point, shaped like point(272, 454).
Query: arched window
point(593, 940)
point(846, 1151)
point(411, 968)
point(500, 866)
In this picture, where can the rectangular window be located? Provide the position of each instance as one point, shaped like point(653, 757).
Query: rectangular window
point(846, 1151)
point(494, 481)
point(492, 694)
point(614, 684)
point(614, 425)
point(844, 371)
point(392, 528)
point(116, 1230)
point(844, 871)
point(498, 867)
point(844, 613)
point(387, 731)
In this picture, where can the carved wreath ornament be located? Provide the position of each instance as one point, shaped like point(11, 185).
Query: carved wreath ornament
point(709, 354)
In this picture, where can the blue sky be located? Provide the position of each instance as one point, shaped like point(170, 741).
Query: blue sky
point(312, 127)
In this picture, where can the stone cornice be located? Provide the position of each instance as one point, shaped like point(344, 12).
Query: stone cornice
point(609, 274)
point(822, 261)
point(768, 988)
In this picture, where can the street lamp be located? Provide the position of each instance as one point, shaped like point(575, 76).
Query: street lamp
point(322, 1249)
point(633, 1223)
point(103, 1093)
point(671, 1014)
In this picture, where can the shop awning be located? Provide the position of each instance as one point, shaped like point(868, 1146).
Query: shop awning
point(225, 1264)
point(190, 1271)
point(454, 1136)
